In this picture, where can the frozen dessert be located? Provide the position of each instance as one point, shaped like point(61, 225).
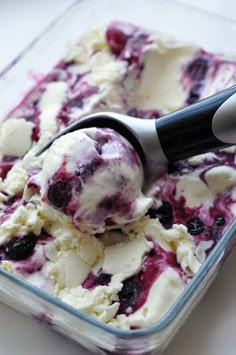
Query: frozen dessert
point(94, 176)
point(75, 221)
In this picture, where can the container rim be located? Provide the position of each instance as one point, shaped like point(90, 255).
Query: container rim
point(217, 253)
point(56, 21)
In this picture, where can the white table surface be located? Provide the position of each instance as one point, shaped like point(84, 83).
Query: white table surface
point(211, 328)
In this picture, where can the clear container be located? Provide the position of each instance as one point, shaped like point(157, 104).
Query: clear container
point(210, 31)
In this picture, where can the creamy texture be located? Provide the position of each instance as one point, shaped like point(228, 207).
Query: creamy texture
point(128, 257)
point(74, 221)
point(195, 191)
point(220, 178)
point(50, 105)
point(15, 137)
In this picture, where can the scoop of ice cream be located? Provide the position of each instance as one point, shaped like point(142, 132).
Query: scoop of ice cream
point(95, 177)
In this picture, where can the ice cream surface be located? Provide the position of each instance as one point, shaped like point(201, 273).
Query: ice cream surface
point(112, 251)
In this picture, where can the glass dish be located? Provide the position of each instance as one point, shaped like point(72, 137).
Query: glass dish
point(210, 31)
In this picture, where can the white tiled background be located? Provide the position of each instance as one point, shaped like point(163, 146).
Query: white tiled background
point(211, 328)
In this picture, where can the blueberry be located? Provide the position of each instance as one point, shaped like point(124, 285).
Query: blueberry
point(129, 294)
point(195, 226)
point(220, 221)
point(164, 213)
point(87, 170)
point(20, 248)
point(103, 279)
point(59, 193)
point(76, 102)
point(152, 253)
point(194, 94)
point(98, 148)
point(11, 200)
point(110, 203)
point(8, 158)
point(197, 70)
point(217, 227)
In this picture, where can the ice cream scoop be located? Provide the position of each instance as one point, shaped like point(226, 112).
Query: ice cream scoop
point(204, 126)
point(94, 176)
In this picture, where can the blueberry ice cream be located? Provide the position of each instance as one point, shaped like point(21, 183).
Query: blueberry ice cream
point(74, 221)
point(95, 177)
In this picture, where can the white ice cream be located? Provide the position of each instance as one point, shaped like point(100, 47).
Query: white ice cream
point(50, 105)
point(15, 137)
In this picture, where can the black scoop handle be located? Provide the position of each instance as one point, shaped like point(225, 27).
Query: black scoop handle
point(204, 126)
